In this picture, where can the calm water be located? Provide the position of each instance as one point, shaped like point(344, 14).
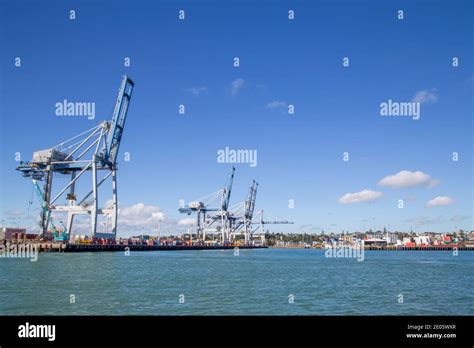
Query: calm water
point(256, 282)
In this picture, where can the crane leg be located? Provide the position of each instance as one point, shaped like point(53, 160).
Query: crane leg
point(70, 219)
point(46, 213)
point(115, 203)
point(198, 224)
point(95, 197)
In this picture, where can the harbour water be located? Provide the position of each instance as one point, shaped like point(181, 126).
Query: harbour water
point(256, 282)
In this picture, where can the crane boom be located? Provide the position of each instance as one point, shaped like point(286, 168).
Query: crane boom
point(250, 202)
point(228, 189)
point(118, 120)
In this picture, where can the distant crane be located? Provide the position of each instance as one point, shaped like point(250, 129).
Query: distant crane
point(261, 225)
point(95, 150)
point(206, 204)
point(222, 214)
point(249, 210)
point(244, 220)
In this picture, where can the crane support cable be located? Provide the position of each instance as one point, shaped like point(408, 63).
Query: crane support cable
point(77, 136)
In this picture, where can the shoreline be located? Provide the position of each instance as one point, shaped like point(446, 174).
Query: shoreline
point(74, 248)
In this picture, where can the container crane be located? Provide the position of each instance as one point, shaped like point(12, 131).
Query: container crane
point(223, 214)
point(94, 151)
point(201, 207)
point(261, 225)
point(204, 205)
point(249, 210)
point(244, 220)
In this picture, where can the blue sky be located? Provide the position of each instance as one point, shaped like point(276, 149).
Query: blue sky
point(285, 61)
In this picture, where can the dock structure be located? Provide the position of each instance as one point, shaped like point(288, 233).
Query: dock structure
point(71, 248)
point(121, 247)
point(50, 247)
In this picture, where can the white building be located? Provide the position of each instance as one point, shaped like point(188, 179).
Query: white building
point(391, 238)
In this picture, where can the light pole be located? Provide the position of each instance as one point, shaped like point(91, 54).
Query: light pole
point(159, 231)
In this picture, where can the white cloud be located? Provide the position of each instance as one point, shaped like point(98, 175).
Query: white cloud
point(131, 220)
point(140, 215)
point(237, 84)
point(13, 213)
point(186, 222)
point(425, 221)
point(457, 218)
point(406, 178)
point(196, 91)
point(426, 96)
point(276, 104)
point(439, 201)
point(362, 196)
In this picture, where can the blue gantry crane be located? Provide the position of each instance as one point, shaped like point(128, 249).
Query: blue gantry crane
point(241, 215)
point(94, 151)
point(261, 225)
point(208, 204)
point(231, 221)
point(249, 209)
